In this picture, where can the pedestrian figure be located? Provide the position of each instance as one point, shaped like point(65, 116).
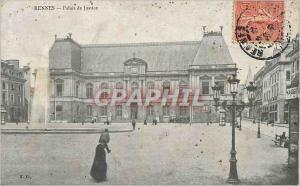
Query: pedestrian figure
point(99, 167)
point(133, 124)
point(104, 139)
point(145, 122)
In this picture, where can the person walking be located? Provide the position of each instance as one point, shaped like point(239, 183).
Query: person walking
point(104, 139)
point(99, 167)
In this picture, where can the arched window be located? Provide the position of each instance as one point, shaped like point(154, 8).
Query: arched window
point(166, 87)
point(150, 85)
point(119, 86)
point(59, 87)
point(89, 90)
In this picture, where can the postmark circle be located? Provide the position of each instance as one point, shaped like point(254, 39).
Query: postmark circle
point(263, 41)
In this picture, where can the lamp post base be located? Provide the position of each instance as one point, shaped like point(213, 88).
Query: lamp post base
point(258, 131)
point(233, 175)
point(233, 181)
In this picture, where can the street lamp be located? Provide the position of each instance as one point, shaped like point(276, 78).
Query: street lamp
point(251, 89)
point(233, 175)
point(216, 94)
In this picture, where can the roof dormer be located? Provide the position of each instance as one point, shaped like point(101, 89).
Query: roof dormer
point(135, 66)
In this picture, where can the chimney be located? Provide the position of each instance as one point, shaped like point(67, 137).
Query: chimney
point(70, 35)
point(221, 28)
point(55, 36)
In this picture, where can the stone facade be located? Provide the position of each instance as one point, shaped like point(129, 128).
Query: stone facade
point(77, 72)
point(293, 106)
point(13, 100)
point(272, 81)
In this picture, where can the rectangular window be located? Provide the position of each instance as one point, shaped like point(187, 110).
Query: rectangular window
point(59, 89)
point(150, 110)
point(222, 85)
point(19, 100)
point(104, 111)
point(19, 88)
point(4, 98)
point(183, 110)
point(59, 108)
point(119, 110)
point(77, 90)
point(288, 75)
point(166, 110)
point(89, 92)
point(12, 99)
point(3, 85)
point(205, 87)
point(89, 110)
point(12, 86)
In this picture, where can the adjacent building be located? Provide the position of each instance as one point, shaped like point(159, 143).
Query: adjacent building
point(292, 96)
point(78, 71)
point(272, 81)
point(14, 102)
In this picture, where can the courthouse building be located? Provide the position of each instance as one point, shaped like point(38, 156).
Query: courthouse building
point(78, 71)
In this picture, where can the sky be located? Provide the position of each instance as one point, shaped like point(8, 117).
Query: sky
point(27, 34)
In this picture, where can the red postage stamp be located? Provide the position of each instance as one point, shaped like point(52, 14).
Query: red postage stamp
point(259, 21)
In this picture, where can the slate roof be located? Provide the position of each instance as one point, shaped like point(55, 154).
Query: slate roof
point(166, 56)
point(158, 56)
point(212, 50)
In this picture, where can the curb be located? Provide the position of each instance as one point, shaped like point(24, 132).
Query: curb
point(60, 131)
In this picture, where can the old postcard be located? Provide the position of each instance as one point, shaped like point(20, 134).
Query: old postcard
point(149, 92)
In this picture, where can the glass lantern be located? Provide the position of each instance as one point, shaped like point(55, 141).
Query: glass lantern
point(234, 82)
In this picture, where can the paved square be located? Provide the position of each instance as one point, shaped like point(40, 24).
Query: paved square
point(163, 154)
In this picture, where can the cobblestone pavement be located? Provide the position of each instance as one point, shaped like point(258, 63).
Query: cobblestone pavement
point(162, 154)
point(265, 129)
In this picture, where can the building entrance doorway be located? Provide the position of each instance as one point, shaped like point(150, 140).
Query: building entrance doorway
point(133, 110)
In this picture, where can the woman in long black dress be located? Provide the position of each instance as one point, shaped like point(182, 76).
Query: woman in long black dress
point(99, 168)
